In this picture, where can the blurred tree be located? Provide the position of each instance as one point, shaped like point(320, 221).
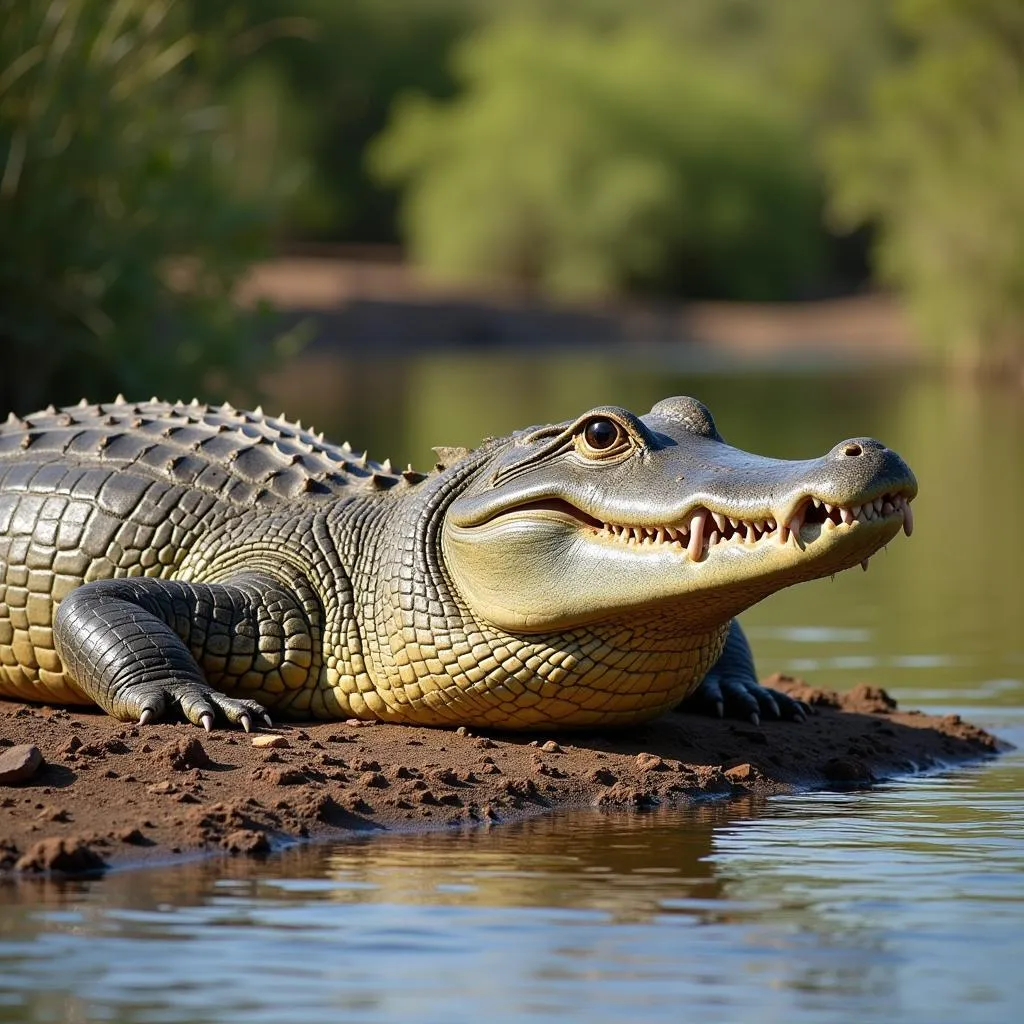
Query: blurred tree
point(939, 165)
point(308, 83)
point(585, 162)
point(121, 236)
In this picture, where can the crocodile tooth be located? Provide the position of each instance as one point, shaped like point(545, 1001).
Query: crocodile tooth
point(864, 565)
point(817, 503)
point(719, 520)
point(847, 516)
point(734, 523)
point(83, 403)
point(661, 535)
point(770, 525)
point(908, 519)
point(697, 526)
point(878, 504)
point(713, 538)
point(856, 511)
point(797, 521)
point(888, 509)
point(258, 411)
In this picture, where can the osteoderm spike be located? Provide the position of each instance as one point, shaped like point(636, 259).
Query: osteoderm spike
point(446, 455)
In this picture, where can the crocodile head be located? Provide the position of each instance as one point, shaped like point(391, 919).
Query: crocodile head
point(612, 514)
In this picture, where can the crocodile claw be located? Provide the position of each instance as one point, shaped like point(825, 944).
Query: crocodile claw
point(146, 717)
point(207, 721)
point(246, 722)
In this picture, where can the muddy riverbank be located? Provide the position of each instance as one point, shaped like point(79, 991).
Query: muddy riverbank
point(107, 794)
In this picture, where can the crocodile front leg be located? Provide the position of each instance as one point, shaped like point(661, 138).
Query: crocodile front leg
point(731, 687)
point(140, 646)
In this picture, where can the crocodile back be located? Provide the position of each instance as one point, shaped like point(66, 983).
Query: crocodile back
point(241, 458)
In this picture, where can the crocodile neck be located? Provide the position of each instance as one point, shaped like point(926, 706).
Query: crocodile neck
point(424, 656)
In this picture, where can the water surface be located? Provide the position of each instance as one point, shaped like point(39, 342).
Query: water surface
point(903, 903)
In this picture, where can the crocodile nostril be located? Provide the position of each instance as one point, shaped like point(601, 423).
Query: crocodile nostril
point(853, 449)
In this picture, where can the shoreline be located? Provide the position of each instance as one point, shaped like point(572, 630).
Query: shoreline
point(111, 795)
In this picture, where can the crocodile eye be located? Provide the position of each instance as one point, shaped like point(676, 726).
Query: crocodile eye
point(600, 435)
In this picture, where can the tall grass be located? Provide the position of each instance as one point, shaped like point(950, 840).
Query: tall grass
point(121, 236)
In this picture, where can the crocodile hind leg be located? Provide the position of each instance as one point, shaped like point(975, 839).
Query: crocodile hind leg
point(142, 646)
point(731, 687)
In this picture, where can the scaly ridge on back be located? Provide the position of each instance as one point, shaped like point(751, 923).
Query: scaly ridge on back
point(245, 458)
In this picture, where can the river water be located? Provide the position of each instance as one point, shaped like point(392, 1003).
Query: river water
point(903, 903)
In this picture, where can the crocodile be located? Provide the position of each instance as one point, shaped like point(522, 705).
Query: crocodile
point(182, 559)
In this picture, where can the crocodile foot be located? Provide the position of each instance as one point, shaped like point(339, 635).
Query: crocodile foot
point(745, 699)
point(199, 704)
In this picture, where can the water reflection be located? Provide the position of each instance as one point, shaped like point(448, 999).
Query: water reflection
point(904, 902)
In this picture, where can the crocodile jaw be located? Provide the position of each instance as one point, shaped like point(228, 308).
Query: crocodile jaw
point(549, 567)
point(538, 570)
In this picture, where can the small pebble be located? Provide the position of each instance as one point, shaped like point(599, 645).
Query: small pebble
point(268, 740)
point(19, 763)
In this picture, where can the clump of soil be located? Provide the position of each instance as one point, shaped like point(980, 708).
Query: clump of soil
point(102, 793)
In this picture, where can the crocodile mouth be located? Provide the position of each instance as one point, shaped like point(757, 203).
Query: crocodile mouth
point(704, 530)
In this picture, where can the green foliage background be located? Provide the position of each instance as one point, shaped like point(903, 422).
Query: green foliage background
point(120, 234)
point(589, 164)
point(149, 151)
point(938, 165)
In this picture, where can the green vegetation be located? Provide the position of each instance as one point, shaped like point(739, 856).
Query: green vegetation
point(938, 165)
point(122, 236)
point(588, 164)
point(706, 148)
